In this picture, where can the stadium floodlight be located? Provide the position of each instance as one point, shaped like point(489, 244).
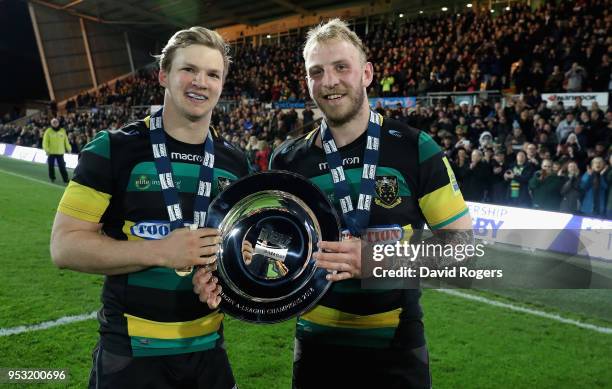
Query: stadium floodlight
point(444, 9)
point(401, 15)
point(469, 5)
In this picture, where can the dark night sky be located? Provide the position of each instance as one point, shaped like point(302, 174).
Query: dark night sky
point(21, 73)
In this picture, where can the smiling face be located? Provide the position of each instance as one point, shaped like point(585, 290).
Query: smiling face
point(337, 79)
point(193, 83)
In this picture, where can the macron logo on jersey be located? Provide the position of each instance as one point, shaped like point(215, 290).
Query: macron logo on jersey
point(186, 157)
point(345, 162)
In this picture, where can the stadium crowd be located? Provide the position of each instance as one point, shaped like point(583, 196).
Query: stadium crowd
point(521, 153)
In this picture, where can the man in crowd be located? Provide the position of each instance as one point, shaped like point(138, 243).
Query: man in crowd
point(477, 178)
point(124, 213)
point(594, 186)
point(545, 187)
point(518, 176)
point(56, 144)
point(566, 127)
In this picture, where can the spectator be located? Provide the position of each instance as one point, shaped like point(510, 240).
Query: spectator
point(578, 107)
point(601, 78)
point(518, 177)
point(570, 191)
point(308, 119)
point(554, 82)
point(575, 78)
point(262, 156)
point(566, 126)
point(608, 178)
point(546, 187)
point(499, 186)
point(251, 149)
point(516, 140)
point(594, 186)
point(476, 178)
point(531, 152)
point(56, 144)
point(386, 83)
point(461, 166)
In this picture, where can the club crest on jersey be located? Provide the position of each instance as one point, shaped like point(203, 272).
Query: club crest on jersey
point(222, 183)
point(387, 192)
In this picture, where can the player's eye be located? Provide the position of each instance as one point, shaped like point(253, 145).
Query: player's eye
point(315, 73)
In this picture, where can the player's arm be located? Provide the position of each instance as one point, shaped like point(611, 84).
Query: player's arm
point(76, 239)
point(79, 245)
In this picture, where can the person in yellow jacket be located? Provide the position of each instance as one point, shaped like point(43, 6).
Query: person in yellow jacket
point(55, 144)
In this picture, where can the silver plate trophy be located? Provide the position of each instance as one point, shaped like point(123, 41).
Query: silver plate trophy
point(270, 224)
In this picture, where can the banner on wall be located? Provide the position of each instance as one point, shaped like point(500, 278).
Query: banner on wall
point(543, 230)
point(569, 99)
point(392, 102)
point(32, 154)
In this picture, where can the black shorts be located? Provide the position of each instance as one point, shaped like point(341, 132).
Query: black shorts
point(321, 366)
point(208, 369)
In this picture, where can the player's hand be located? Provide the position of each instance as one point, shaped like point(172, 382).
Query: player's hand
point(206, 287)
point(185, 247)
point(343, 257)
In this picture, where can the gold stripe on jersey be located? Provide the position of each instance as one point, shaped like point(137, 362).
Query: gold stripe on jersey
point(178, 330)
point(83, 202)
point(127, 230)
point(334, 318)
point(442, 206)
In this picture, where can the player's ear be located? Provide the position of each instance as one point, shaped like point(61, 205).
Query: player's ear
point(368, 74)
point(162, 77)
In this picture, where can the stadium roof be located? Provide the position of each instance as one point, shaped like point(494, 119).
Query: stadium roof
point(159, 16)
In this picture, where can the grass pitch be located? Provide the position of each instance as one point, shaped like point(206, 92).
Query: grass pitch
point(472, 345)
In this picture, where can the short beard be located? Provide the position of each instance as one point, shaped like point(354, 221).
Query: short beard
point(357, 103)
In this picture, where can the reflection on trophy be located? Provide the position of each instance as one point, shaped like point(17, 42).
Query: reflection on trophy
point(270, 224)
point(269, 255)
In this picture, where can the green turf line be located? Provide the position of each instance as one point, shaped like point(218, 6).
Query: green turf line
point(30, 169)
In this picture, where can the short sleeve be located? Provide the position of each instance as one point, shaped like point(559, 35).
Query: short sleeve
point(439, 197)
point(88, 195)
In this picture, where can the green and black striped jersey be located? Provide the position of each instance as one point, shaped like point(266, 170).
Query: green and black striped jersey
point(154, 311)
point(414, 185)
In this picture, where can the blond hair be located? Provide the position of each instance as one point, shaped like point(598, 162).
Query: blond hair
point(334, 29)
point(194, 36)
